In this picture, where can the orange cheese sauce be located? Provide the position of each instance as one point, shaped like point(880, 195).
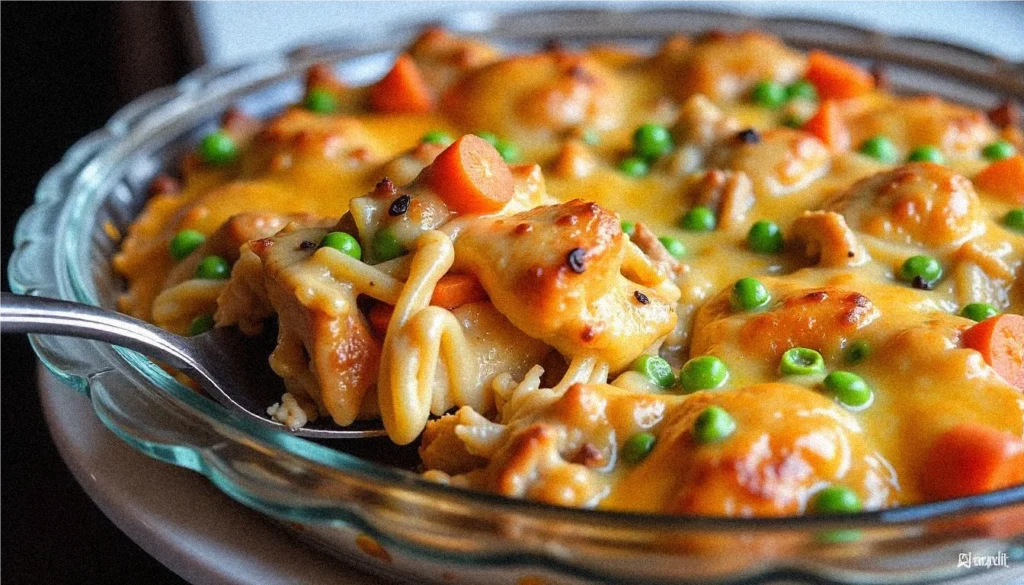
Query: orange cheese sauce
point(317, 180)
point(836, 282)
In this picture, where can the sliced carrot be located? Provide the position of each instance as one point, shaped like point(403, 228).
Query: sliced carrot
point(828, 125)
point(1004, 179)
point(1000, 340)
point(470, 176)
point(972, 458)
point(836, 78)
point(403, 90)
point(453, 290)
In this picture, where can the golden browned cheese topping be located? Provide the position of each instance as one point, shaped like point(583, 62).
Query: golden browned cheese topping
point(725, 278)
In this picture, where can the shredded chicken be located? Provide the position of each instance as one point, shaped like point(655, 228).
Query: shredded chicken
point(730, 194)
point(649, 244)
point(703, 123)
point(575, 160)
point(824, 237)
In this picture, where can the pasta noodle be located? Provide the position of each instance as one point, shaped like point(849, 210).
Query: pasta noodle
point(191, 297)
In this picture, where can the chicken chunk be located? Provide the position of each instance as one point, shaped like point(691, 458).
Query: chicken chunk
point(649, 244)
point(575, 160)
point(730, 194)
point(325, 348)
point(405, 167)
point(725, 66)
point(443, 57)
point(818, 318)
point(228, 239)
point(300, 136)
point(561, 453)
point(531, 466)
point(914, 121)
point(536, 97)
point(789, 442)
point(703, 124)
point(925, 204)
point(780, 162)
point(185, 297)
point(244, 302)
point(824, 237)
point(566, 274)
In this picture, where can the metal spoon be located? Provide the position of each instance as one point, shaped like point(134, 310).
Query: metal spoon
point(222, 361)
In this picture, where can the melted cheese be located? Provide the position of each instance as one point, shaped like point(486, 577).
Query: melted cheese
point(530, 368)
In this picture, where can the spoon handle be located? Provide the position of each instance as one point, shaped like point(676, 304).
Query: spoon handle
point(217, 372)
point(29, 314)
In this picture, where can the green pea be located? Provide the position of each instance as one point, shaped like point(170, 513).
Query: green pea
point(628, 227)
point(437, 137)
point(674, 247)
point(927, 153)
point(858, 351)
point(185, 242)
point(638, 447)
point(652, 141)
point(978, 311)
point(634, 166)
point(998, 150)
point(749, 294)
point(765, 237)
point(591, 137)
point(714, 424)
point(490, 137)
point(835, 499)
point(200, 325)
point(655, 369)
point(922, 271)
point(802, 90)
point(217, 148)
point(768, 93)
point(848, 388)
point(343, 243)
point(1014, 219)
point(703, 373)
point(801, 361)
point(509, 152)
point(321, 101)
point(213, 268)
point(880, 148)
point(699, 219)
point(386, 246)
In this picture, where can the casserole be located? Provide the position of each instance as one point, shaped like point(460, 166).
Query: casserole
point(387, 514)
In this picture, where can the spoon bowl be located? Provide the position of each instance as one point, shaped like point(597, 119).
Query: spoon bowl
point(231, 367)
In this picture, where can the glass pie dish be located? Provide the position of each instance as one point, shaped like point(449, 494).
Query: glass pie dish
point(343, 497)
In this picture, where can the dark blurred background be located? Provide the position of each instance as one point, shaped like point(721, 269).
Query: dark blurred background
point(67, 67)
